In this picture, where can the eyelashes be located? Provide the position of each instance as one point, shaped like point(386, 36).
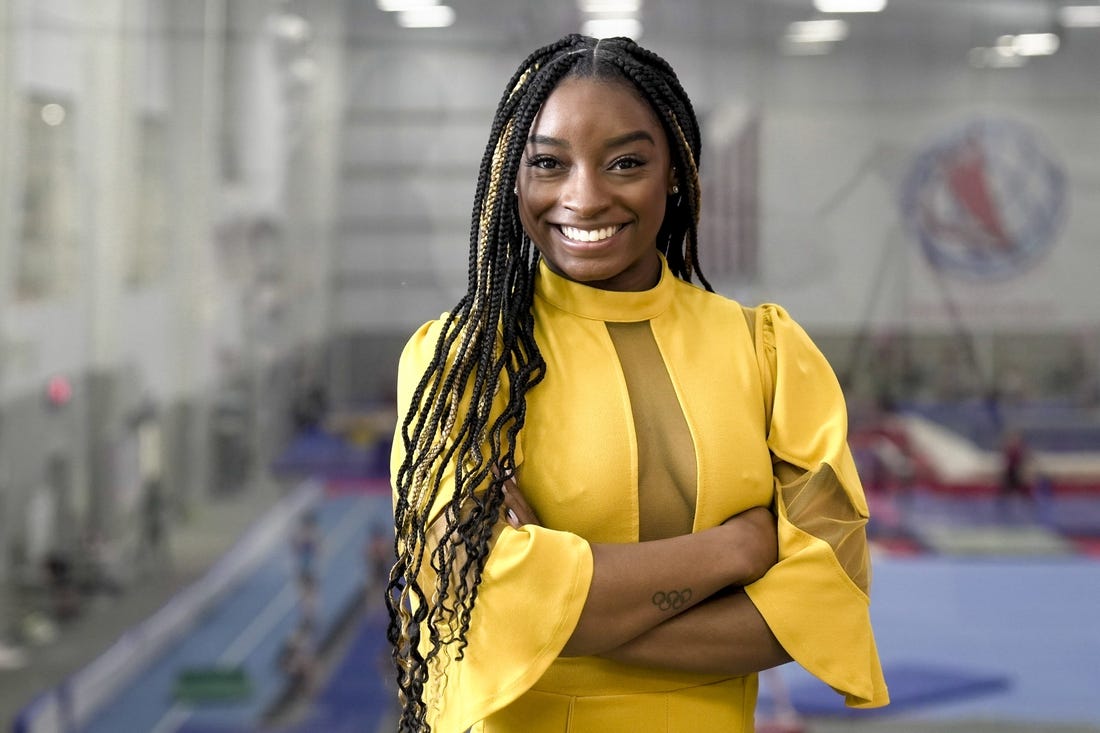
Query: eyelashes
point(546, 162)
point(627, 162)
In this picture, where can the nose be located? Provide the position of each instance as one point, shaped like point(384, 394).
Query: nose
point(585, 193)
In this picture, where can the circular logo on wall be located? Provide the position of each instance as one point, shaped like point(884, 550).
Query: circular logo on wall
point(985, 200)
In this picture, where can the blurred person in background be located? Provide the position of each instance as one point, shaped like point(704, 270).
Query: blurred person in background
point(310, 404)
point(62, 584)
point(1014, 488)
point(154, 549)
point(305, 543)
point(593, 446)
point(298, 659)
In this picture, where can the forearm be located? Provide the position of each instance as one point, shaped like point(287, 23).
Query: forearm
point(636, 587)
point(723, 635)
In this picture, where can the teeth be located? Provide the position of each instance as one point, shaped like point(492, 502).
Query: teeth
point(588, 235)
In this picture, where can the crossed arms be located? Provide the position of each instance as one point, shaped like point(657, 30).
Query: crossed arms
point(676, 603)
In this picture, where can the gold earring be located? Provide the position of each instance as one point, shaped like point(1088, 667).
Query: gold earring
point(675, 189)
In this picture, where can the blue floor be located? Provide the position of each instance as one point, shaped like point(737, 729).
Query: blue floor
point(1031, 624)
point(959, 640)
point(988, 638)
point(247, 628)
point(358, 695)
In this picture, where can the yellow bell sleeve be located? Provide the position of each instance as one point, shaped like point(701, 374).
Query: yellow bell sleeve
point(530, 596)
point(816, 598)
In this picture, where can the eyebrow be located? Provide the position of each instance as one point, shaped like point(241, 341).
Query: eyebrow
point(615, 142)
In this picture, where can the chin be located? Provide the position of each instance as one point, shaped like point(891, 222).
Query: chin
point(590, 272)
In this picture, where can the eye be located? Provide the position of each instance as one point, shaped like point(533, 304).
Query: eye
point(542, 162)
point(627, 162)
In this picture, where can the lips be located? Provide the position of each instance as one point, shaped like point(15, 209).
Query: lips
point(589, 236)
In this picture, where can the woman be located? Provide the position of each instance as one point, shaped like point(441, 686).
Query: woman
point(591, 444)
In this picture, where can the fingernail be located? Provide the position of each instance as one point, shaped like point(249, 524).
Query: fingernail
point(513, 519)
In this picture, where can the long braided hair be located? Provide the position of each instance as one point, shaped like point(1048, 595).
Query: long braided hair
point(486, 349)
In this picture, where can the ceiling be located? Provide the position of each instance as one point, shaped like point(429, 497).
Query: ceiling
point(726, 21)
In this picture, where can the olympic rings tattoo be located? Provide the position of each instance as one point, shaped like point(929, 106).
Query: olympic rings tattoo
point(673, 600)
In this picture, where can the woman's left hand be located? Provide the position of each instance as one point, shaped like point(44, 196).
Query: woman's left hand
point(517, 511)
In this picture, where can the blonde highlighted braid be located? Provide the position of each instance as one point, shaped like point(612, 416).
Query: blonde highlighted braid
point(486, 349)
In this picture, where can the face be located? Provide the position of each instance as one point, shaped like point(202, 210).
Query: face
point(593, 183)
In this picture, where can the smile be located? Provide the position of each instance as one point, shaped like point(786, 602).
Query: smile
point(590, 235)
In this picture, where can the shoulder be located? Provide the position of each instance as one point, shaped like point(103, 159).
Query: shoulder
point(421, 348)
point(777, 326)
point(780, 335)
point(771, 324)
point(424, 347)
point(705, 302)
point(765, 319)
point(424, 338)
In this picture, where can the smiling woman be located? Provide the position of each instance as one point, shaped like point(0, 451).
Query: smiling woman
point(593, 186)
point(593, 447)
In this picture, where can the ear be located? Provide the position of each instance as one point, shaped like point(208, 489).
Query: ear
point(673, 187)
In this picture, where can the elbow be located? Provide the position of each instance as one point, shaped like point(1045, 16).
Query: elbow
point(776, 657)
point(738, 663)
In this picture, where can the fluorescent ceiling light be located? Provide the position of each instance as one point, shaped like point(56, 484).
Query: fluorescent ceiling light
point(610, 6)
point(611, 27)
point(1079, 16)
point(1030, 44)
point(1036, 44)
point(849, 6)
point(817, 31)
point(431, 16)
point(396, 6)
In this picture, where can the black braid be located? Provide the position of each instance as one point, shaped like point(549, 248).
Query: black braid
point(486, 346)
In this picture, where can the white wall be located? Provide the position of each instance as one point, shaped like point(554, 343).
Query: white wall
point(839, 133)
point(114, 63)
point(231, 298)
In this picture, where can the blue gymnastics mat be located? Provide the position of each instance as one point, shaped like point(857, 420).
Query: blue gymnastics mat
point(911, 685)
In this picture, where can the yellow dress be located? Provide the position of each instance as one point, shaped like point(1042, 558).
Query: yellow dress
point(659, 415)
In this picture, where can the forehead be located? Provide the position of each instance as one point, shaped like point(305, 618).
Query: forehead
point(587, 106)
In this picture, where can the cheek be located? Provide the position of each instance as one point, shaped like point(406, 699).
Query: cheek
point(658, 205)
point(526, 218)
point(530, 206)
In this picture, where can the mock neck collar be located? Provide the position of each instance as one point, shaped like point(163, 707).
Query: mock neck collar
point(605, 305)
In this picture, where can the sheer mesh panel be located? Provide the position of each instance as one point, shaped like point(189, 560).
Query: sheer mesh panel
point(818, 504)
